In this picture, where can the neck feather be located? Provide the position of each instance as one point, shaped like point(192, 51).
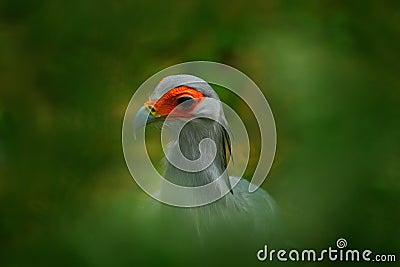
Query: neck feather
point(188, 143)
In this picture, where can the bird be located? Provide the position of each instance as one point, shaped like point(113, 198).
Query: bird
point(191, 110)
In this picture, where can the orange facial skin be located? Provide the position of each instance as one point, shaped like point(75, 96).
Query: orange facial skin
point(167, 103)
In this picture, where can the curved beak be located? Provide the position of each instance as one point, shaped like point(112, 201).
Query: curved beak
point(142, 118)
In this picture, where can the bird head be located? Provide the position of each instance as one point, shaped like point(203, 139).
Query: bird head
point(178, 99)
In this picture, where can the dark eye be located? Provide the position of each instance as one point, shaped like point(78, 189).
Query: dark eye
point(186, 101)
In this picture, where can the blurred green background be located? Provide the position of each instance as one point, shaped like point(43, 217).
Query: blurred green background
point(329, 69)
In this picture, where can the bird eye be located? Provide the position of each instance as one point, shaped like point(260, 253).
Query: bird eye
point(186, 101)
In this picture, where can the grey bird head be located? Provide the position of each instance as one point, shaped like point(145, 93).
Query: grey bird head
point(179, 98)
